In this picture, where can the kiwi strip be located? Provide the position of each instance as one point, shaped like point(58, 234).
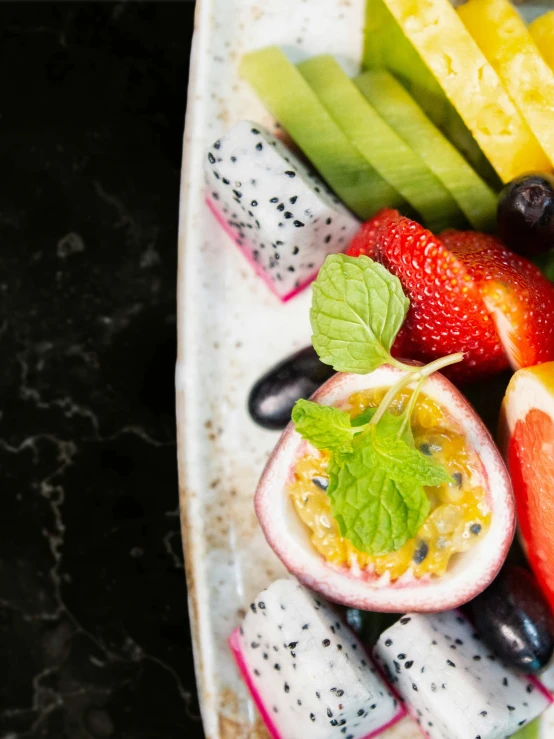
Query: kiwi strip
point(380, 145)
point(289, 98)
point(474, 197)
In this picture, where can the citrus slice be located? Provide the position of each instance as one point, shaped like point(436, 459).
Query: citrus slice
point(527, 433)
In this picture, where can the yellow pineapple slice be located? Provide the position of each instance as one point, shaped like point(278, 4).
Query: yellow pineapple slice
point(505, 40)
point(542, 31)
point(471, 85)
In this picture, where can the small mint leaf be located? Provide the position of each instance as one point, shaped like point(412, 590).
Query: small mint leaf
point(323, 426)
point(364, 417)
point(402, 461)
point(357, 310)
point(392, 424)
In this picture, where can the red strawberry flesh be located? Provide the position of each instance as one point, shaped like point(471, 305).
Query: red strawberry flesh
point(516, 294)
point(447, 313)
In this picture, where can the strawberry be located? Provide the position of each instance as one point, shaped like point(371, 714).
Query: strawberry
point(447, 313)
point(516, 294)
point(364, 241)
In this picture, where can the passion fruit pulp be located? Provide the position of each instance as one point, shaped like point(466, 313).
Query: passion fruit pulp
point(459, 515)
point(467, 573)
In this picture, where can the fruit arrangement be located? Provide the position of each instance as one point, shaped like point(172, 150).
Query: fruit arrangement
point(417, 200)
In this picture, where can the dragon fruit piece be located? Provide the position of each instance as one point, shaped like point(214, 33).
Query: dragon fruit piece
point(307, 672)
point(283, 218)
point(454, 687)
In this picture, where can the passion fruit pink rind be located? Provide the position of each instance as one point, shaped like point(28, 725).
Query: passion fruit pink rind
point(468, 573)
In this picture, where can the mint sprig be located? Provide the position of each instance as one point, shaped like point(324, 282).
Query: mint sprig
point(324, 426)
point(401, 460)
point(376, 475)
point(358, 308)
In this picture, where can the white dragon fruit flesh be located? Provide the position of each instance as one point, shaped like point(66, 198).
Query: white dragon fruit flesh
point(283, 218)
point(308, 674)
point(453, 686)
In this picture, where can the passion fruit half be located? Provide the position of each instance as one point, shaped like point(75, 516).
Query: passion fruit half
point(473, 516)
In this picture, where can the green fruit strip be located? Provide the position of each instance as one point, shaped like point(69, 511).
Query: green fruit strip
point(385, 45)
point(380, 145)
point(530, 731)
point(403, 114)
point(292, 102)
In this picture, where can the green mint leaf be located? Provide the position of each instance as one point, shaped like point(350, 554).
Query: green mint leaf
point(364, 417)
point(376, 513)
point(323, 426)
point(357, 310)
point(402, 461)
point(392, 424)
point(377, 492)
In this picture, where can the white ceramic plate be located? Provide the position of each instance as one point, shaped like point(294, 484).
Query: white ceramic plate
point(231, 329)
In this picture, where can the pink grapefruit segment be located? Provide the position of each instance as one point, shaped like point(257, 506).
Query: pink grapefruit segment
point(528, 430)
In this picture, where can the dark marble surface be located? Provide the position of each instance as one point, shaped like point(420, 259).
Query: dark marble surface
point(94, 633)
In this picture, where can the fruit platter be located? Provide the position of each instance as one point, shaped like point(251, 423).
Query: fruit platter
point(365, 378)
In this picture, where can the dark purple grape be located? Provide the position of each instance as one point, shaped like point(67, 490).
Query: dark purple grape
point(526, 214)
point(514, 619)
point(273, 396)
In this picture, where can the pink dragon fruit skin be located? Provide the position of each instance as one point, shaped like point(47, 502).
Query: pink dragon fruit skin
point(283, 218)
point(453, 686)
point(236, 647)
point(308, 674)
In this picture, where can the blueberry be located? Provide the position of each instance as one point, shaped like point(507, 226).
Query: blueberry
point(272, 398)
point(526, 214)
point(515, 620)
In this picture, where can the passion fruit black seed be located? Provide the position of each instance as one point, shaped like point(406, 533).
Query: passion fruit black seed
point(421, 552)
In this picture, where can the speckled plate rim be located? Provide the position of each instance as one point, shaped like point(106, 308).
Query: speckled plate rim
point(227, 712)
point(225, 578)
point(189, 505)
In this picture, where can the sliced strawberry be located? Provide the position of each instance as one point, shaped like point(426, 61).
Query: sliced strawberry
point(516, 294)
point(447, 313)
point(364, 242)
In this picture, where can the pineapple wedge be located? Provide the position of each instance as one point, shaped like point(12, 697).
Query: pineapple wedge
point(386, 46)
point(542, 31)
point(505, 40)
point(471, 84)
